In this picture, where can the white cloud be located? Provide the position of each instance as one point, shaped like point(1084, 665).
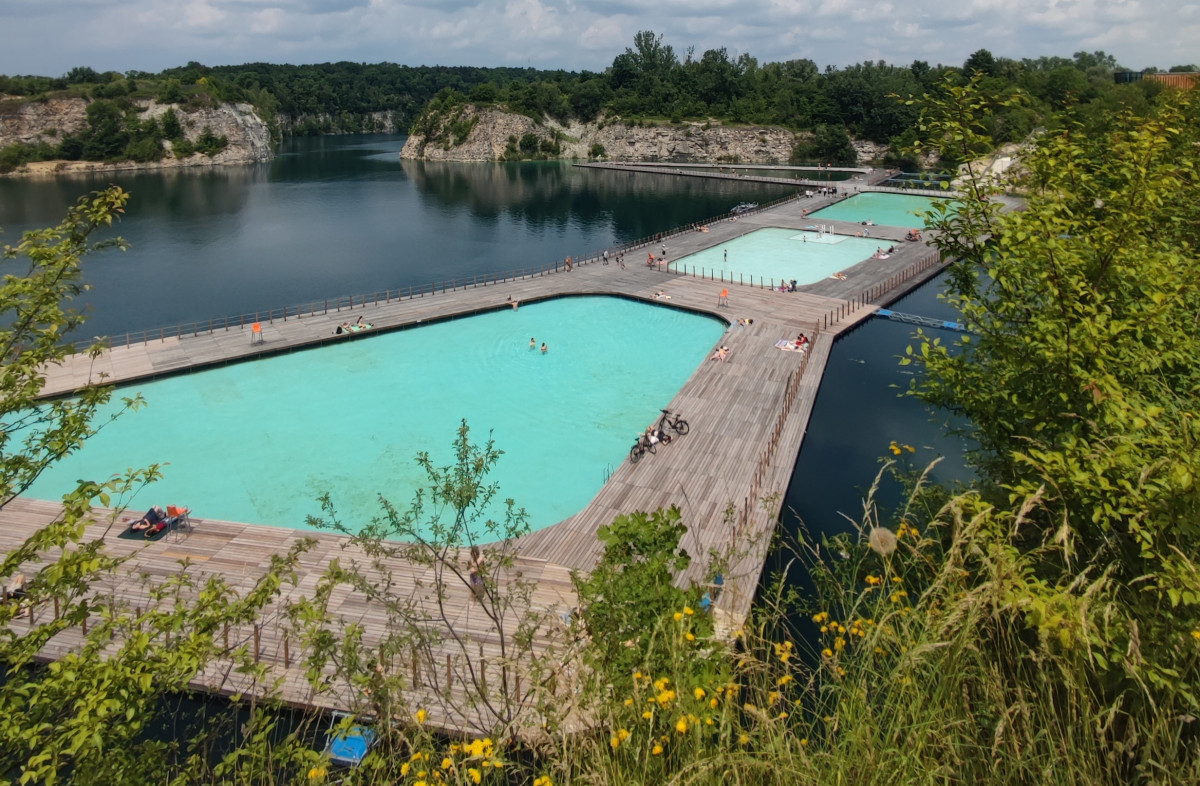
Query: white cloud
point(51, 37)
point(202, 15)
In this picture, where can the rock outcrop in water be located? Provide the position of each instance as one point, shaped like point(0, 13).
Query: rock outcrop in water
point(249, 138)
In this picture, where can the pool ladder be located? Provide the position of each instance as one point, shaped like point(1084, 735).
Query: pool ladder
point(609, 469)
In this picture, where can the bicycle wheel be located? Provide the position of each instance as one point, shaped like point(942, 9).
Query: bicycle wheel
point(635, 453)
point(680, 425)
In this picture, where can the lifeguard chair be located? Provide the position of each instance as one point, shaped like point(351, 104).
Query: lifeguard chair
point(256, 336)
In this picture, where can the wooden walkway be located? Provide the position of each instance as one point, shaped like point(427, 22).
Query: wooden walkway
point(748, 417)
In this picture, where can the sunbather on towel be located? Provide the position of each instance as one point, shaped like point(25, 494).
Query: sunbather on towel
point(152, 517)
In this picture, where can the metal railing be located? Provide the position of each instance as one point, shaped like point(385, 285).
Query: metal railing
point(350, 302)
point(791, 388)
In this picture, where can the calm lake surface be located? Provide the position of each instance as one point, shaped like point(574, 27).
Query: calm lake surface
point(344, 215)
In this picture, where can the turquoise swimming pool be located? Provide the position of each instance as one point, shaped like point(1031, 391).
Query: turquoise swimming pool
point(260, 441)
point(773, 255)
point(895, 210)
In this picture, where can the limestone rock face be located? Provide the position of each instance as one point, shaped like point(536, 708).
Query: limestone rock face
point(685, 142)
point(31, 121)
point(366, 123)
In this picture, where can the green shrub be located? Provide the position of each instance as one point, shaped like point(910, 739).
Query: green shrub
point(209, 143)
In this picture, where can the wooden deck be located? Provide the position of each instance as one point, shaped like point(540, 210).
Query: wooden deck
point(748, 417)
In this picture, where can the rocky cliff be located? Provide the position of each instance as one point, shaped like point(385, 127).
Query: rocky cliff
point(492, 132)
point(346, 123)
point(33, 121)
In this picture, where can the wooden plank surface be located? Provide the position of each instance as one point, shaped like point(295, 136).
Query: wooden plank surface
point(747, 427)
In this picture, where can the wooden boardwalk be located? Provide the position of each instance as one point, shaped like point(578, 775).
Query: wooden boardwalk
point(748, 417)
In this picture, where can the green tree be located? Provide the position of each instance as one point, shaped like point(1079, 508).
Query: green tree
point(1093, 286)
point(980, 62)
point(171, 127)
point(106, 135)
point(631, 588)
point(83, 75)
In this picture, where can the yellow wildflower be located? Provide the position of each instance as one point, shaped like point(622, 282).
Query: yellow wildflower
point(681, 726)
point(316, 773)
point(744, 739)
point(404, 768)
point(637, 675)
point(475, 775)
point(614, 742)
point(421, 715)
point(699, 693)
point(656, 750)
point(785, 679)
point(828, 653)
point(678, 616)
point(543, 780)
point(447, 763)
point(628, 702)
point(688, 610)
point(647, 714)
point(690, 636)
point(713, 702)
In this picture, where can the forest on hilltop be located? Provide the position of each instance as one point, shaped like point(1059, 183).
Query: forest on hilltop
point(647, 83)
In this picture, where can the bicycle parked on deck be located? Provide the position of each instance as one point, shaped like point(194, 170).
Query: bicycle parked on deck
point(675, 423)
point(640, 448)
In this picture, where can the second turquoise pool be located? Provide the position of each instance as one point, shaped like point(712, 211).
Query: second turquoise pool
point(260, 441)
point(774, 255)
point(894, 210)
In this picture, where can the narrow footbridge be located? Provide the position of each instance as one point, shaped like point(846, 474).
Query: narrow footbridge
point(916, 319)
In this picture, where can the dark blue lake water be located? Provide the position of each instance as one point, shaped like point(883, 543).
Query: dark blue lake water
point(335, 216)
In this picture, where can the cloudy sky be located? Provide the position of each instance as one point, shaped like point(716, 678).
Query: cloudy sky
point(48, 37)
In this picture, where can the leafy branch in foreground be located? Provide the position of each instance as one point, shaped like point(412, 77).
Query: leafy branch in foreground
point(121, 645)
point(454, 598)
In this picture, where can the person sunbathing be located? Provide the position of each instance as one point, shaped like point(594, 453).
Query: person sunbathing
point(150, 519)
